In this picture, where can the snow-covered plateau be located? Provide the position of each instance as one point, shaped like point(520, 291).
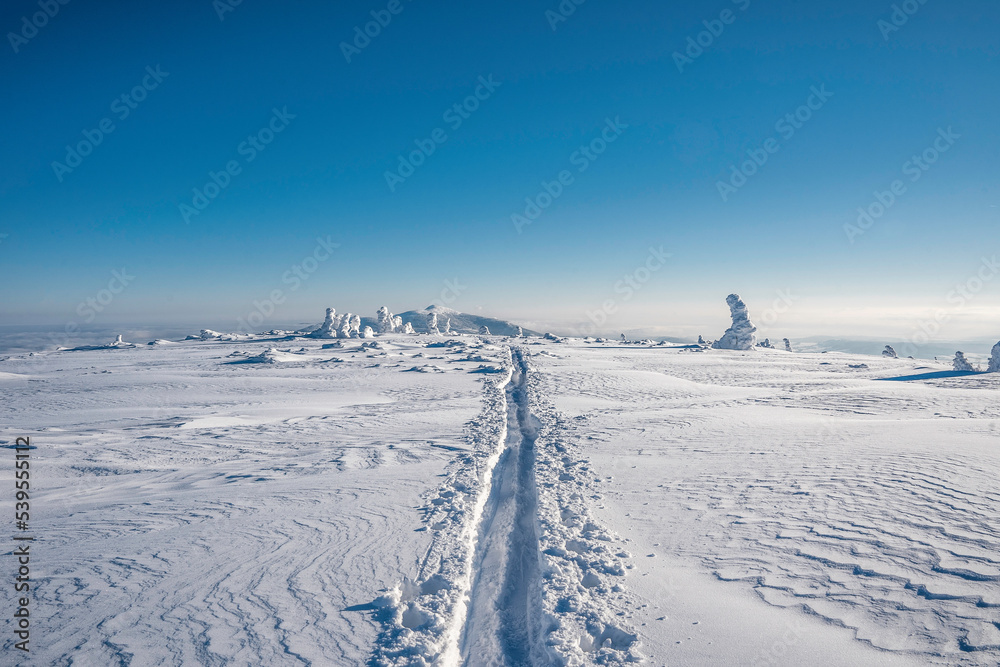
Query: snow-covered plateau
point(415, 499)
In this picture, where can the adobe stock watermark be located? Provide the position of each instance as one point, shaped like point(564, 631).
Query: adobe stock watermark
point(562, 12)
point(31, 25)
point(294, 277)
point(450, 293)
point(454, 116)
point(581, 158)
point(775, 654)
point(703, 40)
point(625, 288)
point(899, 17)
point(122, 107)
point(363, 36)
point(249, 149)
point(959, 298)
point(223, 7)
point(92, 306)
point(781, 305)
point(786, 127)
point(914, 168)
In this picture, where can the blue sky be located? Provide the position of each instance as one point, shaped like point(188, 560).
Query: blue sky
point(343, 125)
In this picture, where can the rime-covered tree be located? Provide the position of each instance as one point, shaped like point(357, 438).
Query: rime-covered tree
point(384, 321)
point(741, 334)
point(961, 363)
point(329, 327)
point(994, 359)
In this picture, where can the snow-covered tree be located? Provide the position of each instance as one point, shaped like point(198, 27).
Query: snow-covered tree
point(788, 345)
point(889, 352)
point(701, 341)
point(994, 359)
point(329, 327)
point(368, 332)
point(344, 326)
point(385, 321)
point(355, 321)
point(447, 325)
point(520, 332)
point(484, 330)
point(961, 363)
point(741, 335)
point(766, 343)
point(408, 328)
point(432, 323)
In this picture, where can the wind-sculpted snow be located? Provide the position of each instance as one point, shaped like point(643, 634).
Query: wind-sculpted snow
point(204, 513)
point(869, 506)
point(419, 500)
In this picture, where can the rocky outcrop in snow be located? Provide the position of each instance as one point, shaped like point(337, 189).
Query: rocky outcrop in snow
point(889, 352)
point(994, 359)
point(961, 363)
point(741, 335)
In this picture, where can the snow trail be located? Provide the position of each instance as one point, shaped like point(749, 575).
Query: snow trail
point(502, 627)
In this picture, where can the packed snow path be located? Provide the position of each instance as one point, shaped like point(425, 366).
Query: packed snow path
point(503, 618)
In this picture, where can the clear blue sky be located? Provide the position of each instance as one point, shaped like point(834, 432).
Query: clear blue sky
point(324, 174)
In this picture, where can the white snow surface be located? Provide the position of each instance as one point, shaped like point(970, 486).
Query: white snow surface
point(512, 503)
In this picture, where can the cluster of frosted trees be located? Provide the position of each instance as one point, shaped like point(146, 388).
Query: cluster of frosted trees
point(962, 364)
point(348, 325)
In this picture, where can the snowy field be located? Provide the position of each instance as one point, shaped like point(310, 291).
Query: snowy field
point(484, 500)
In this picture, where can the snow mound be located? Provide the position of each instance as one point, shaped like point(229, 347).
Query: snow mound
point(741, 335)
point(269, 356)
point(117, 344)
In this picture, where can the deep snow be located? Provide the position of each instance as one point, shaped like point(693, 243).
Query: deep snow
point(515, 501)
